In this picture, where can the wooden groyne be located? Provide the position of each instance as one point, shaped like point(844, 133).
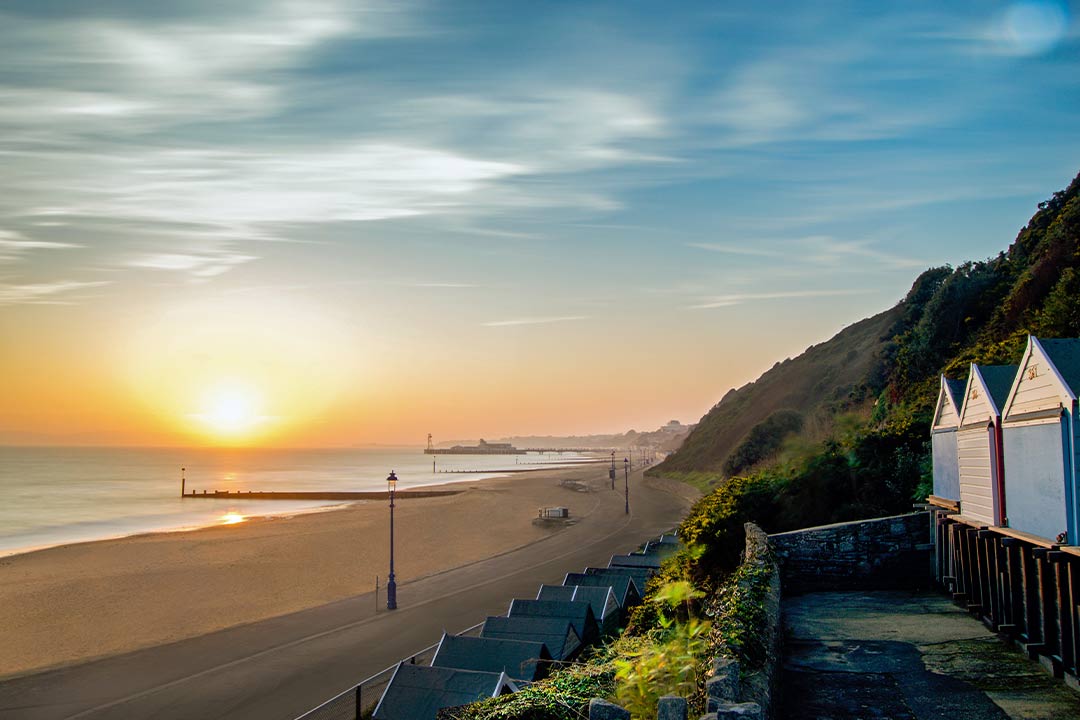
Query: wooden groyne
point(316, 495)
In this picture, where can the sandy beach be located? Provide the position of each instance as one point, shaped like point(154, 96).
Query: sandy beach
point(75, 602)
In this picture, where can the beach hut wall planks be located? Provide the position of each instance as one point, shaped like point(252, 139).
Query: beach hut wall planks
point(979, 446)
point(943, 442)
point(1039, 427)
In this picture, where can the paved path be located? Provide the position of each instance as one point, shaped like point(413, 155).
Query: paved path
point(907, 657)
point(279, 668)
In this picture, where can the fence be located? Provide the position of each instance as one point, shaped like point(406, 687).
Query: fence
point(352, 704)
point(1022, 586)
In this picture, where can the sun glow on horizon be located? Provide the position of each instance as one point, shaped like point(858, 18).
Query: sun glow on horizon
point(232, 410)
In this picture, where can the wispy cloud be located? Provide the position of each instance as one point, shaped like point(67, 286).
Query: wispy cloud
point(197, 266)
point(534, 321)
point(14, 245)
point(718, 301)
point(60, 292)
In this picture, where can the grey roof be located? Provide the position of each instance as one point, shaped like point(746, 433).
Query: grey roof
point(1065, 354)
point(956, 390)
point(640, 576)
point(418, 692)
point(651, 560)
point(999, 380)
point(557, 633)
point(579, 614)
point(600, 597)
point(519, 659)
point(626, 592)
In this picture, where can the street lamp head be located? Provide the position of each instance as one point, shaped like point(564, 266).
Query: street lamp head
point(625, 461)
point(391, 481)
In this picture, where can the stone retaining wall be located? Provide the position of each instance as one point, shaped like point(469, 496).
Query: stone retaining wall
point(888, 553)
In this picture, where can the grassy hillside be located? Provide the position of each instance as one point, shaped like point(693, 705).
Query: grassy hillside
point(833, 377)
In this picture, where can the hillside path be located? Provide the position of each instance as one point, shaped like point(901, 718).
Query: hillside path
point(907, 656)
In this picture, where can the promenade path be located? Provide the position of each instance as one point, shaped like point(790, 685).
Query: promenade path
point(278, 668)
point(906, 656)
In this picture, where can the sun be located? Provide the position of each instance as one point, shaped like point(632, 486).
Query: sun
point(232, 410)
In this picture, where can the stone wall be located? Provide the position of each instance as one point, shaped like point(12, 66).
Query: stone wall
point(892, 553)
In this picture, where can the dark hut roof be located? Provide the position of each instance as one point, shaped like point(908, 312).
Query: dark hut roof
point(640, 576)
point(557, 633)
point(418, 692)
point(956, 390)
point(626, 592)
point(651, 560)
point(999, 380)
point(579, 614)
point(600, 597)
point(519, 659)
point(1065, 354)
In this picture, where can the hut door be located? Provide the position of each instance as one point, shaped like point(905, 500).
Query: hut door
point(977, 478)
point(1035, 492)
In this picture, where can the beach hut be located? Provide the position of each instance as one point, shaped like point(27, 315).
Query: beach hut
point(1039, 429)
point(418, 692)
point(557, 634)
point(519, 659)
point(601, 598)
point(637, 560)
point(579, 614)
point(943, 444)
point(979, 443)
point(626, 592)
point(640, 576)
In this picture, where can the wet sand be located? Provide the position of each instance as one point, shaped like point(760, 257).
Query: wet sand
point(75, 602)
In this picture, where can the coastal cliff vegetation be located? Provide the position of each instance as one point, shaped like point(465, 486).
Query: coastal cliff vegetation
point(864, 398)
point(838, 433)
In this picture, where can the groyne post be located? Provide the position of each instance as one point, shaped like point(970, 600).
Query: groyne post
point(183, 481)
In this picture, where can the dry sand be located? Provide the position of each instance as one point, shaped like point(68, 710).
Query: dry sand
point(75, 602)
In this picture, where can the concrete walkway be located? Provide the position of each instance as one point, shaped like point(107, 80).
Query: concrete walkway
point(907, 656)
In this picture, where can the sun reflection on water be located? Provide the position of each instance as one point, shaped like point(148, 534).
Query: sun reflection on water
point(231, 518)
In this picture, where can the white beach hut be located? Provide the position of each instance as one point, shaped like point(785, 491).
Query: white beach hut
point(943, 442)
point(979, 443)
point(1039, 427)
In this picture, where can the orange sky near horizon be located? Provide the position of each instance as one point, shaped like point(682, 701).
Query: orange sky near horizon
point(249, 369)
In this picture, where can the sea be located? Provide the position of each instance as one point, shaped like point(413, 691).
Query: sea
point(57, 495)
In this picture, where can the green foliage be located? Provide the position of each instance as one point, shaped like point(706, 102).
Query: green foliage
point(739, 612)
point(763, 440)
point(670, 660)
point(564, 695)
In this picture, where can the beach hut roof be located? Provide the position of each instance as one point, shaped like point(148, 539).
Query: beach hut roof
point(626, 592)
point(600, 597)
point(640, 576)
point(1059, 359)
point(950, 399)
point(519, 659)
point(987, 391)
point(558, 634)
point(418, 692)
point(645, 560)
point(1065, 354)
point(580, 614)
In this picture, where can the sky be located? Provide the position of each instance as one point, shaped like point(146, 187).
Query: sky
point(334, 223)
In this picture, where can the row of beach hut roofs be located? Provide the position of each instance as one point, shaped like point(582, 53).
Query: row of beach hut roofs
point(522, 646)
point(1005, 443)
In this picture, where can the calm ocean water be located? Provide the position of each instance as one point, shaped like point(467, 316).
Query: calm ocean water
point(51, 495)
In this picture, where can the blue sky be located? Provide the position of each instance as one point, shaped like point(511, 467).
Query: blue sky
point(715, 185)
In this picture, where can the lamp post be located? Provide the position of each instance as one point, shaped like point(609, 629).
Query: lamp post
point(391, 586)
point(626, 480)
point(611, 472)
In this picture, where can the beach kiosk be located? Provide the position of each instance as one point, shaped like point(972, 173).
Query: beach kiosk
point(979, 444)
point(943, 443)
point(1039, 429)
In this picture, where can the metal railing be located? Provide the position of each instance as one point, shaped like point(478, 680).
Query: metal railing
point(359, 700)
